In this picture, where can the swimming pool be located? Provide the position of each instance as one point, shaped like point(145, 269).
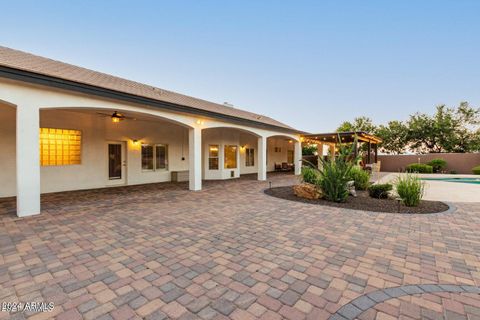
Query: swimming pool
point(462, 180)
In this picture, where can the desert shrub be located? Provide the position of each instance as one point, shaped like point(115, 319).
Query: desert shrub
point(438, 165)
point(476, 170)
point(360, 177)
point(335, 175)
point(380, 191)
point(310, 175)
point(410, 189)
point(333, 182)
point(419, 168)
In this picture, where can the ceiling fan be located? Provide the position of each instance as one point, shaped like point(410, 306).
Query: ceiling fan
point(116, 116)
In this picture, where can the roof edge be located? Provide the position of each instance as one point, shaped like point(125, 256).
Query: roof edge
point(59, 83)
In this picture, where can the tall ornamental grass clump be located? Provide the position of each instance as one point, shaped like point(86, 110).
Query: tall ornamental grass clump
point(310, 175)
point(360, 177)
point(410, 189)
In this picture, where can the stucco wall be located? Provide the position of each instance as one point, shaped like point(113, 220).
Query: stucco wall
point(459, 162)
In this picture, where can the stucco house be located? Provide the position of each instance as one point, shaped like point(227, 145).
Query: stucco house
point(64, 127)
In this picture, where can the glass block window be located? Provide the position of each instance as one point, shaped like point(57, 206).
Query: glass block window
point(60, 147)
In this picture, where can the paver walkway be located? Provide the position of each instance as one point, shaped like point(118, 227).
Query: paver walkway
point(230, 251)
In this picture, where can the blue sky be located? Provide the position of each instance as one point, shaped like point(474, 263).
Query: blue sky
point(310, 64)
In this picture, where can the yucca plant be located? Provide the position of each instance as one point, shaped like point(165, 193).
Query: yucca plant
point(336, 173)
point(410, 189)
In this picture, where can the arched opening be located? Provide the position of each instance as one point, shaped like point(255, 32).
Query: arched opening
point(85, 148)
point(283, 154)
point(8, 147)
point(229, 152)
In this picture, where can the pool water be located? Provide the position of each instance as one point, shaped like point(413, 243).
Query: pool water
point(462, 180)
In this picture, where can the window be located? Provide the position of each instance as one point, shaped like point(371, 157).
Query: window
point(290, 156)
point(249, 157)
point(59, 147)
point(230, 157)
point(147, 157)
point(213, 157)
point(154, 157)
point(161, 159)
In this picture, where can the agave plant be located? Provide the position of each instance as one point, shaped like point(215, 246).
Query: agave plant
point(335, 174)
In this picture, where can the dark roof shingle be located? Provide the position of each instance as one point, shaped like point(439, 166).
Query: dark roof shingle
point(20, 60)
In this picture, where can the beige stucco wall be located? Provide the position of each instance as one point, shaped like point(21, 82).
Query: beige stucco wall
point(459, 162)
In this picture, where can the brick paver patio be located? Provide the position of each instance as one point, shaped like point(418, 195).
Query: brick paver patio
point(230, 251)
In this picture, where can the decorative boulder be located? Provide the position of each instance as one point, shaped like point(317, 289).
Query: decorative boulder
point(307, 191)
point(351, 188)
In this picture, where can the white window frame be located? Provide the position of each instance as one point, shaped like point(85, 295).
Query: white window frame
point(247, 158)
point(155, 147)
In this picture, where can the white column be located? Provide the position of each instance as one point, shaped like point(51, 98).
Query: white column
point(262, 158)
point(297, 157)
point(195, 158)
point(28, 161)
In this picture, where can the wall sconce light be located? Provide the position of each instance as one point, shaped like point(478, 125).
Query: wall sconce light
point(200, 122)
point(242, 146)
point(135, 142)
point(290, 141)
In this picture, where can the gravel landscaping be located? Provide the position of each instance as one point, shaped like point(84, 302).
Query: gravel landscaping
point(362, 202)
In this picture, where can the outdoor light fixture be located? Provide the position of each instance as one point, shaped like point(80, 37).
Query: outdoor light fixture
point(135, 142)
point(117, 117)
point(200, 121)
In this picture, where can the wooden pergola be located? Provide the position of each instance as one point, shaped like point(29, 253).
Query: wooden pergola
point(332, 139)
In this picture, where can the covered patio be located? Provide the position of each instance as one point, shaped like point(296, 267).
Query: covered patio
point(331, 140)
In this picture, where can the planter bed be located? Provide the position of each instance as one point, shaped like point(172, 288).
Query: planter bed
point(362, 202)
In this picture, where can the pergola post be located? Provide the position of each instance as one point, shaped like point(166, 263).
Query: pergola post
point(319, 154)
point(376, 153)
point(332, 151)
point(369, 157)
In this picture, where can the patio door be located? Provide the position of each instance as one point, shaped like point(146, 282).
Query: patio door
point(116, 163)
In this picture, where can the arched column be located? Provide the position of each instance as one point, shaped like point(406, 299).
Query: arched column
point(297, 157)
point(195, 158)
point(28, 160)
point(262, 158)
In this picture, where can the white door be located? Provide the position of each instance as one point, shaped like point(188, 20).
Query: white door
point(116, 165)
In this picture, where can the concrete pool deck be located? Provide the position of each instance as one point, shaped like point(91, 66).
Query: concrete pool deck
point(445, 190)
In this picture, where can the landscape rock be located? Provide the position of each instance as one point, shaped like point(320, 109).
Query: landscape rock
point(307, 191)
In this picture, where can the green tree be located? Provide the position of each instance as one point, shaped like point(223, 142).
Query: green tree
point(358, 124)
point(448, 130)
point(394, 137)
point(309, 150)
